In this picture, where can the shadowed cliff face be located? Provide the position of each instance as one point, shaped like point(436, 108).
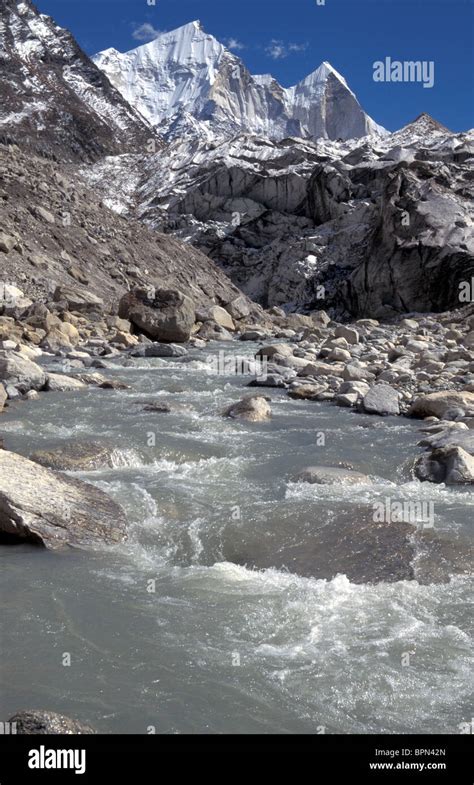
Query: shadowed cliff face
point(53, 98)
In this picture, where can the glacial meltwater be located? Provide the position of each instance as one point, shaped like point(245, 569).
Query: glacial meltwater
point(242, 602)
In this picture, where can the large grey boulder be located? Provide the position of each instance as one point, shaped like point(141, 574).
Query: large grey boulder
point(382, 399)
point(450, 465)
point(165, 315)
point(439, 403)
point(19, 372)
point(45, 507)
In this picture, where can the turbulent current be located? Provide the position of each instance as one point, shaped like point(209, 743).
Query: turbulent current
point(242, 602)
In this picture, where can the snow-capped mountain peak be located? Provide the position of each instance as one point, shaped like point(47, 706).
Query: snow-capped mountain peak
point(187, 72)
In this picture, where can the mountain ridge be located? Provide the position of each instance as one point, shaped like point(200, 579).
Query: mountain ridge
point(187, 71)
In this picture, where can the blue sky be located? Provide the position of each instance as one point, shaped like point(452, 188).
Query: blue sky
point(290, 38)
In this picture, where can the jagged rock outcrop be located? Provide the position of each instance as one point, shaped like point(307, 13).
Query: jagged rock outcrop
point(369, 229)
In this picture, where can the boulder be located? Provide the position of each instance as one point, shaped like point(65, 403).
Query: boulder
point(3, 397)
point(254, 335)
point(61, 336)
point(163, 407)
point(39, 316)
point(275, 348)
point(37, 722)
point(356, 373)
point(347, 399)
point(273, 379)
point(165, 315)
point(45, 507)
point(349, 333)
point(7, 242)
point(439, 403)
point(159, 350)
point(238, 308)
point(21, 373)
point(322, 369)
point(13, 302)
point(329, 475)
point(306, 392)
point(251, 409)
point(382, 399)
point(221, 317)
point(98, 380)
point(450, 465)
point(57, 382)
point(81, 300)
point(211, 331)
point(75, 457)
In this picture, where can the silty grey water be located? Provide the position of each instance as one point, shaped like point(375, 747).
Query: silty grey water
point(242, 602)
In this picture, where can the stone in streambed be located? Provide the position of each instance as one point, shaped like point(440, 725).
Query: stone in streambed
point(57, 382)
point(353, 545)
point(383, 400)
point(98, 380)
point(159, 350)
point(163, 407)
point(306, 392)
point(251, 409)
point(450, 465)
point(42, 506)
point(19, 372)
point(76, 457)
point(330, 475)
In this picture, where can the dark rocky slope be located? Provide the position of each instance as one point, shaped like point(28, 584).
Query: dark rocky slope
point(56, 231)
point(52, 96)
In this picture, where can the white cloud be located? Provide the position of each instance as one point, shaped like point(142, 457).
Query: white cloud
point(234, 43)
point(145, 32)
point(298, 47)
point(278, 50)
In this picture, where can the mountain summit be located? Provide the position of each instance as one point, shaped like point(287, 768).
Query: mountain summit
point(187, 75)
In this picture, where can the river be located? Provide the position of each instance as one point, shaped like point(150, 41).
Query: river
point(242, 602)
